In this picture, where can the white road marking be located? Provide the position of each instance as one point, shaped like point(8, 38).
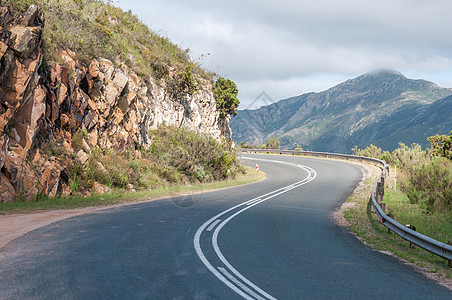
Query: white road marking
point(240, 284)
point(244, 287)
point(213, 225)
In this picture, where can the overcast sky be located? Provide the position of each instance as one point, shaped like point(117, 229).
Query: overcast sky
point(287, 48)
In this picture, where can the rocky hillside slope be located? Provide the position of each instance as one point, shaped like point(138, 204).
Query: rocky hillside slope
point(43, 109)
point(383, 108)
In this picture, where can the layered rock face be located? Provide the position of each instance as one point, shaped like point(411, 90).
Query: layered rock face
point(114, 107)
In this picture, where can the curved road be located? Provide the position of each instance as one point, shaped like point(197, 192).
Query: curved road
point(275, 239)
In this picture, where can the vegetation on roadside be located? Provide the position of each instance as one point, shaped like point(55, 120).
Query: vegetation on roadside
point(367, 227)
point(423, 199)
point(177, 156)
point(272, 143)
point(248, 175)
point(425, 176)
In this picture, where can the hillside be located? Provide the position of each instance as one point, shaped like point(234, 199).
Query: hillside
point(383, 108)
point(85, 90)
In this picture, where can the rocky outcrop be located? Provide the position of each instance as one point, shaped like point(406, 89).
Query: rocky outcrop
point(113, 106)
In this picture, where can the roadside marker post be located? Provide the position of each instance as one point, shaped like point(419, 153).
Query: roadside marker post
point(257, 168)
point(395, 178)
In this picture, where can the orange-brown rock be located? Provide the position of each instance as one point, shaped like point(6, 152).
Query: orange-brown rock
point(99, 188)
point(112, 106)
point(94, 69)
point(50, 178)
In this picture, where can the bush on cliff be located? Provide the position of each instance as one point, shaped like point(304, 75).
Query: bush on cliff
point(225, 93)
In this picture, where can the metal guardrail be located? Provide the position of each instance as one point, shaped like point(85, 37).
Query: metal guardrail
point(441, 249)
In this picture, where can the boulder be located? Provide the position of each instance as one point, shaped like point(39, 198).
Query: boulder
point(32, 16)
point(99, 188)
point(93, 69)
point(50, 178)
point(82, 156)
point(21, 38)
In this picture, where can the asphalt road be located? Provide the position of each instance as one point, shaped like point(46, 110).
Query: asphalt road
point(275, 239)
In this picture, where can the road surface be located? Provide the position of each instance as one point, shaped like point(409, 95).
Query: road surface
point(275, 239)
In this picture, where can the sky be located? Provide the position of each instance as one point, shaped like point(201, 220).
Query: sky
point(274, 50)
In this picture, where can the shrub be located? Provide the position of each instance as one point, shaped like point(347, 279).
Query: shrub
point(77, 139)
point(430, 184)
point(225, 93)
point(424, 177)
point(187, 84)
point(441, 145)
point(272, 143)
point(369, 151)
point(196, 157)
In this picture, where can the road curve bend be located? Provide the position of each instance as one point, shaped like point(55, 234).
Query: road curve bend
point(274, 239)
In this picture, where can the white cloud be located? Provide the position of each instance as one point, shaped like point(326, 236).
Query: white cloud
point(290, 47)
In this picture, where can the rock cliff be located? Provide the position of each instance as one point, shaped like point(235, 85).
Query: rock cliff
point(45, 105)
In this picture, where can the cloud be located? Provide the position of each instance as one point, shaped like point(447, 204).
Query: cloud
point(291, 47)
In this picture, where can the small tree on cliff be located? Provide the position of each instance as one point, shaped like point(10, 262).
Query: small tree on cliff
point(225, 94)
point(186, 81)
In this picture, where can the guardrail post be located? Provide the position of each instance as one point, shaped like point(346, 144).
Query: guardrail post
point(379, 193)
point(449, 262)
point(382, 191)
point(412, 228)
point(392, 217)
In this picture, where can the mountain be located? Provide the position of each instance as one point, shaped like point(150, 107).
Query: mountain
point(382, 108)
point(63, 108)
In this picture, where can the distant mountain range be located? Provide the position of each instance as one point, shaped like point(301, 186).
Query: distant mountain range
point(381, 108)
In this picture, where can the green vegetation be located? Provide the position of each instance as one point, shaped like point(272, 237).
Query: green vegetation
point(272, 143)
point(177, 156)
point(441, 145)
point(297, 147)
point(366, 225)
point(94, 28)
point(249, 175)
point(225, 94)
point(423, 199)
point(184, 83)
point(423, 176)
point(436, 225)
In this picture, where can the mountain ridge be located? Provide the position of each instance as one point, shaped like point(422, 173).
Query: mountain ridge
point(346, 115)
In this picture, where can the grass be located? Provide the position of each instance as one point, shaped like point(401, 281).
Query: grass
point(437, 226)
point(96, 28)
point(365, 224)
point(120, 196)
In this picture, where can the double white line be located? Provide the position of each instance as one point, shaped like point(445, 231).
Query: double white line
point(225, 271)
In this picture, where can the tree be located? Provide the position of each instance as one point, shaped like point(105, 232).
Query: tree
point(273, 143)
point(225, 94)
point(441, 145)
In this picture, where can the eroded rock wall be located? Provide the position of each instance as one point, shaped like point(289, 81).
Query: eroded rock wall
point(114, 106)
